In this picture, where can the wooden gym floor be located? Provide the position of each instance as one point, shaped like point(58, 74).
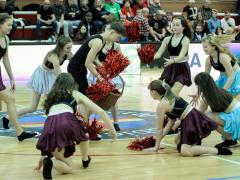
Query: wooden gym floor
point(114, 160)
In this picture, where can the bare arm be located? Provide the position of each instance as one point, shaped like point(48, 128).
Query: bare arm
point(203, 106)
point(53, 58)
point(96, 45)
point(82, 99)
point(40, 19)
point(7, 66)
point(162, 49)
point(208, 65)
point(226, 62)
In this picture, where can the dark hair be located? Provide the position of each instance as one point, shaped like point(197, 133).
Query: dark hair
point(61, 90)
point(218, 99)
point(4, 17)
point(162, 89)
point(118, 27)
point(186, 31)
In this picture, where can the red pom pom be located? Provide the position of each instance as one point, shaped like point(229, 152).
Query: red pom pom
point(93, 129)
point(97, 91)
point(132, 31)
point(114, 64)
point(146, 53)
point(142, 143)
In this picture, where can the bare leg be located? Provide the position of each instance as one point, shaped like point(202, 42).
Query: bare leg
point(84, 150)
point(62, 164)
point(238, 97)
point(189, 151)
point(114, 113)
point(177, 87)
point(9, 99)
point(35, 101)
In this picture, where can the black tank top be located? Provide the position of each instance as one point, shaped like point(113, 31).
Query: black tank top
point(218, 66)
point(78, 60)
point(49, 65)
point(178, 108)
point(102, 56)
point(175, 51)
point(3, 50)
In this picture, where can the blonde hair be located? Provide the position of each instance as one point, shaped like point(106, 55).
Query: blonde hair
point(218, 41)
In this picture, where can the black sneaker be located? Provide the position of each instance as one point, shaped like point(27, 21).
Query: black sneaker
point(87, 162)
point(226, 143)
point(97, 138)
point(116, 127)
point(26, 135)
point(224, 151)
point(47, 168)
point(5, 122)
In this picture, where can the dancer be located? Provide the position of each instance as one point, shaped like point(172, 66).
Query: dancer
point(194, 124)
point(62, 130)
point(44, 76)
point(176, 69)
point(84, 58)
point(225, 108)
point(223, 61)
point(6, 96)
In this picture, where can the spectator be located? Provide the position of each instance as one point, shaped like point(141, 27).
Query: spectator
point(154, 7)
point(200, 21)
point(142, 19)
point(98, 13)
point(191, 10)
point(206, 10)
point(127, 11)
point(139, 5)
point(88, 22)
point(112, 7)
point(213, 22)
point(84, 7)
point(82, 33)
point(198, 33)
point(238, 9)
point(169, 17)
point(158, 24)
point(227, 23)
point(45, 16)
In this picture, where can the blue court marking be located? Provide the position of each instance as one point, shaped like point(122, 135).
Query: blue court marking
point(228, 178)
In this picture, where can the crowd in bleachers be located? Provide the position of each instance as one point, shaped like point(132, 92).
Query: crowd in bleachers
point(79, 19)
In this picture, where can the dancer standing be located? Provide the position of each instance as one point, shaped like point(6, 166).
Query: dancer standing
point(6, 96)
point(44, 76)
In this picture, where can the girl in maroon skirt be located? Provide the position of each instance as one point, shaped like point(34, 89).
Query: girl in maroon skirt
point(194, 124)
point(62, 130)
point(176, 69)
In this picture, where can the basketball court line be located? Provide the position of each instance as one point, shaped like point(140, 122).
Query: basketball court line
point(228, 178)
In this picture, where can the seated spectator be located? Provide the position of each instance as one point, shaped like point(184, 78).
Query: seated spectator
point(88, 22)
point(169, 18)
point(84, 7)
point(58, 11)
point(72, 16)
point(200, 21)
point(139, 4)
point(108, 18)
point(159, 24)
point(142, 19)
point(238, 9)
point(46, 17)
point(154, 7)
point(198, 33)
point(227, 23)
point(213, 22)
point(82, 34)
point(127, 11)
point(206, 10)
point(191, 10)
point(98, 13)
point(112, 7)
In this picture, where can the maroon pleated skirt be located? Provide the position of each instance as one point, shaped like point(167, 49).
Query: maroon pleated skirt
point(61, 131)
